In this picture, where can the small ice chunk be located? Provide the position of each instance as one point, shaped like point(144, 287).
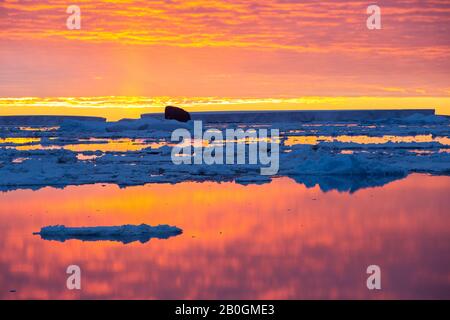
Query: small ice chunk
point(125, 234)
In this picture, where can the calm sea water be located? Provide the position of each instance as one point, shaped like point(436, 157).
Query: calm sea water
point(279, 240)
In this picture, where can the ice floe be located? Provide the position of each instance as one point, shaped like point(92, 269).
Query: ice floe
point(125, 234)
point(52, 158)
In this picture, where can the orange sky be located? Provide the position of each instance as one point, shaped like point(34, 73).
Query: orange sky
point(219, 48)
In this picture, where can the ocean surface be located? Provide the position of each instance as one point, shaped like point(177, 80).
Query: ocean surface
point(279, 240)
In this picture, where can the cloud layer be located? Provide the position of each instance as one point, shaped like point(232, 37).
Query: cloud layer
point(203, 48)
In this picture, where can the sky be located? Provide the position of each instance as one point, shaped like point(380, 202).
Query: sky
point(277, 49)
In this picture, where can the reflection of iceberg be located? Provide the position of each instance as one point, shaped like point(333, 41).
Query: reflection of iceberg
point(344, 183)
point(124, 234)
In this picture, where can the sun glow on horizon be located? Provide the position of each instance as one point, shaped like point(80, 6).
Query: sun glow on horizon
point(117, 107)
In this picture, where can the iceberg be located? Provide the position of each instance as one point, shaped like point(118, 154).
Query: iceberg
point(125, 234)
point(296, 116)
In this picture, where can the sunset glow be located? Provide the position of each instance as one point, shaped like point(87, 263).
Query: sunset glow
point(230, 153)
point(115, 108)
point(228, 50)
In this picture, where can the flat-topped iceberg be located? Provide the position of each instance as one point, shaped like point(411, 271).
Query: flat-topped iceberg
point(124, 234)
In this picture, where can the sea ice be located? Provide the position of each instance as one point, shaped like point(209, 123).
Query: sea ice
point(124, 234)
point(50, 157)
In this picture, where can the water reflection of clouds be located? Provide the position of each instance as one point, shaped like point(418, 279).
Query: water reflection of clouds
point(277, 240)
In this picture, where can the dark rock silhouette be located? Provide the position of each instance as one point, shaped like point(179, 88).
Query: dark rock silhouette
point(175, 113)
